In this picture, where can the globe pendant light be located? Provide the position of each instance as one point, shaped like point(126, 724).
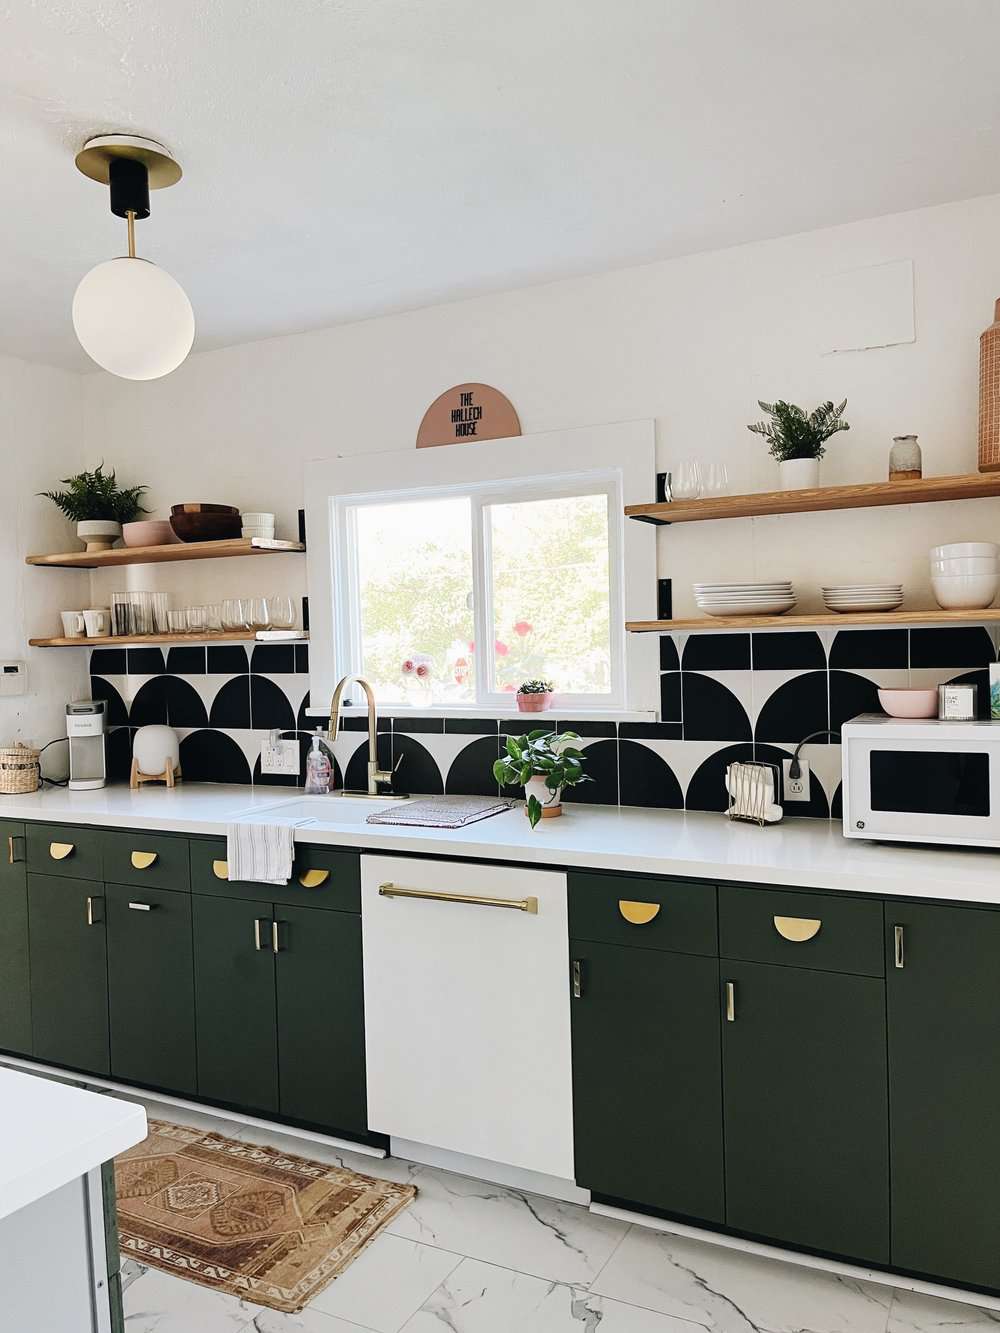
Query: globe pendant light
point(131, 317)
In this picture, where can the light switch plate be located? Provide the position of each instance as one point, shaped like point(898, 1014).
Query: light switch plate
point(280, 757)
point(13, 678)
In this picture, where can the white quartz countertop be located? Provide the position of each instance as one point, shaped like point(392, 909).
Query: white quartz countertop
point(798, 852)
point(52, 1133)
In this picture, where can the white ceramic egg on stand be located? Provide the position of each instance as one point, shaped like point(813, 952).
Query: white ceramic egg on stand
point(155, 756)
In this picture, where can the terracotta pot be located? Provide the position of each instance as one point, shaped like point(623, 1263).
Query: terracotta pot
point(532, 703)
point(550, 801)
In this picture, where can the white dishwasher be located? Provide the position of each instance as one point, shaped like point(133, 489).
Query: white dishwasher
point(467, 1009)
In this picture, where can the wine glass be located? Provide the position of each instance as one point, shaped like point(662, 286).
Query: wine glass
point(715, 479)
point(234, 614)
point(282, 611)
point(258, 614)
point(686, 480)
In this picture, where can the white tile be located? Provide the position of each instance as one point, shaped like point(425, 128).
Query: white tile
point(479, 1298)
point(161, 1303)
point(913, 1313)
point(308, 1321)
point(387, 1283)
point(559, 1241)
point(729, 1291)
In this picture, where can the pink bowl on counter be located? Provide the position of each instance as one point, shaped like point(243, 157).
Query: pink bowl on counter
point(910, 702)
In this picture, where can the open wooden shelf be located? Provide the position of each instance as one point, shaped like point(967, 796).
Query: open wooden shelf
point(815, 620)
point(163, 555)
point(922, 490)
point(176, 640)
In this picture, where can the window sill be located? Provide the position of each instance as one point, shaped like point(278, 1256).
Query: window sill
point(560, 714)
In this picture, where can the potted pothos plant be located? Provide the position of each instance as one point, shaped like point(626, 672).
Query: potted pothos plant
point(534, 696)
point(797, 439)
point(98, 506)
point(543, 763)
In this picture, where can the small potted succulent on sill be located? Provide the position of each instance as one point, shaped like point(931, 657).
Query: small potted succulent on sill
point(98, 506)
point(543, 763)
point(534, 696)
point(797, 439)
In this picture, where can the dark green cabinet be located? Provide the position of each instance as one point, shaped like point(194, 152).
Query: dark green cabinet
point(15, 999)
point(235, 1003)
point(943, 977)
point(647, 1088)
point(151, 987)
point(68, 959)
point(806, 1114)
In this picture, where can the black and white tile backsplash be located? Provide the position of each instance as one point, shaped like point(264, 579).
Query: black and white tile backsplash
point(722, 697)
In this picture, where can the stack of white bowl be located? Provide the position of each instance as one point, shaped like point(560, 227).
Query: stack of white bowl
point(845, 597)
point(964, 575)
point(258, 525)
point(745, 599)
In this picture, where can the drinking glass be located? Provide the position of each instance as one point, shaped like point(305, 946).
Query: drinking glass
point(196, 619)
point(259, 615)
point(686, 480)
point(234, 614)
point(177, 622)
point(213, 617)
point(282, 611)
point(715, 479)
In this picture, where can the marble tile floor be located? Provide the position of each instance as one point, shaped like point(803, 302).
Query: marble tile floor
point(470, 1257)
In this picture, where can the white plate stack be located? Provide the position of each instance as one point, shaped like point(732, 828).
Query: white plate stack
point(846, 597)
point(745, 599)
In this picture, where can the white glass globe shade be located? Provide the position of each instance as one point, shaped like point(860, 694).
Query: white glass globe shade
point(133, 319)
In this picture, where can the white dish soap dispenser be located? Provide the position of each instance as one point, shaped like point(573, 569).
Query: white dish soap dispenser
point(318, 768)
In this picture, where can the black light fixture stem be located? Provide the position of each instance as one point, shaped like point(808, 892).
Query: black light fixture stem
point(129, 182)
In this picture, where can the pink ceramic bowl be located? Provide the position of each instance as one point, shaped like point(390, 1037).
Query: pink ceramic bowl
point(910, 703)
point(149, 532)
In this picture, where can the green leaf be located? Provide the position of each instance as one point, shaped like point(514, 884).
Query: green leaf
point(534, 810)
point(512, 747)
point(500, 772)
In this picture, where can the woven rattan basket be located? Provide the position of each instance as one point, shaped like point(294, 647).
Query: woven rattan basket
point(19, 772)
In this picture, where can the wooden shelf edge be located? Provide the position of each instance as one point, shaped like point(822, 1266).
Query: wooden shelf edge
point(815, 620)
point(165, 555)
point(922, 490)
point(175, 640)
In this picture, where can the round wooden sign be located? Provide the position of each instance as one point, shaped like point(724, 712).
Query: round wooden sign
point(467, 413)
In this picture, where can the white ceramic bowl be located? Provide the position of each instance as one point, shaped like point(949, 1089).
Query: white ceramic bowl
point(910, 702)
point(953, 549)
point(965, 564)
point(964, 592)
point(257, 516)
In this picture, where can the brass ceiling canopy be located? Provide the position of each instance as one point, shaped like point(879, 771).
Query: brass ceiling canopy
point(95, 157)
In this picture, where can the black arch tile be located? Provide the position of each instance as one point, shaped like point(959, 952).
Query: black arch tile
point(958, 646)
point(589, 727)
point(108, 662)
point(870, 648)
point(269, 706)
point(415, 726)
point(471, 772)
point(144, 661)
point(669, 660)
point(817, 807)
point(186, 660)
point(286, 779)
point(273, 659)
point(717, 652)
point(149, 707)
point(981, 680)
point(795, 709)
point(185, 706)
point(650, 731)
point(213, 756)
point(417, 769)
point(789, 650)
point(471, 726)
point(670, 696)
point(711, 712)
point(646, 778)
point(600, 762)
point(231, 706)
point(227, 659)
point(118, 753)
point(707, 788)
point(851, 694)
point(302, 658)
point(837, 804)
point(117, 712)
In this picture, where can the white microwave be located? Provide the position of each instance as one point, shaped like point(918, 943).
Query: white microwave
point(921, 781)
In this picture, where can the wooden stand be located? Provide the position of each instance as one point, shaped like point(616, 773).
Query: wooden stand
point(168, 776)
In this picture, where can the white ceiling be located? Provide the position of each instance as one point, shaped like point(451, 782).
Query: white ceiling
point(347, 158)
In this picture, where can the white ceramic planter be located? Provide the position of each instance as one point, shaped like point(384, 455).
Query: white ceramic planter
point(98, 534)
point(550, 802)
point(798, 474)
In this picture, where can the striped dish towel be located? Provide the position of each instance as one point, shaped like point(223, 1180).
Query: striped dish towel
point(446, 812)
point(260, 853)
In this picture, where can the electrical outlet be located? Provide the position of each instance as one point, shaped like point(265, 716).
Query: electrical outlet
point(796, 789)
point(280, 757)
point(13, 678)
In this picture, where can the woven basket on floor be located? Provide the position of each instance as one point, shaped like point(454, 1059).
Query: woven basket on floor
point(19, 772)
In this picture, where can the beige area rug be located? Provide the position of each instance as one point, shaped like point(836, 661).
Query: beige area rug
point(251, 1221)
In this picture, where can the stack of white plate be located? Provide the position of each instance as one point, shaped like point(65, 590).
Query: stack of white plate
point(745, 599)
point(863, 597)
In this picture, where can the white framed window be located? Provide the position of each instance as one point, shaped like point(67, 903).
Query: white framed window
point(479, 566)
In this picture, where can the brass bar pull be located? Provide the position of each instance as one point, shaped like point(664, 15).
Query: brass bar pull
point(275, 941)
point(11, 849)
point(258, 936)
point(577, 979)
point(143, 860)
point(220, 869)
point(513, 904)
point(60, 850)
point(798, 929)
point(94, 913)
point(140, 907)
point(730, 1002)
point(899, 954)
point(312, 879)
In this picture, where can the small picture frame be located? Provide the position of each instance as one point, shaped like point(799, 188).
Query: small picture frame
point(957, 703)
point(995, 691)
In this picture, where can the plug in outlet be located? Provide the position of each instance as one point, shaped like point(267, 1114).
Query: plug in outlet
point(796, 789)
point(280, 757)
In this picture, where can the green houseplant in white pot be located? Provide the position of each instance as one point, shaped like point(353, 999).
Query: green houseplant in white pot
point(797, 439)
point(98, 506)
point(543, 763)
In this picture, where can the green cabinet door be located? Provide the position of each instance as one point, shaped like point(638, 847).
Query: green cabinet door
point(234, 1003)
point(647, 1089)
point(321, 1022)
point(151, 987)
point(69, 972)
point(806, 1115)
point(944, 1090)
point(15, 1000)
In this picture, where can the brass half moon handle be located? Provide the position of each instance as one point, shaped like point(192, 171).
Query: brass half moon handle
point(60, 850)
point(797, 928)
point(143, 860)
point(638, 914)
point(312, 879)
point(220, 869)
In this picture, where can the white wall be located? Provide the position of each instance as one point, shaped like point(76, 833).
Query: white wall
point(691, 342)
point(42, 441)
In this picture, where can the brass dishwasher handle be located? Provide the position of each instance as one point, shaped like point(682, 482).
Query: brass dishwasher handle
point(143, 860)
point(513, 904)
point(60, 850)
point(798, 929)
point(898, 950)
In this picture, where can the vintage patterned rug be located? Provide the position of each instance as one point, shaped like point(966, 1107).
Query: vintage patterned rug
point(257, 1223)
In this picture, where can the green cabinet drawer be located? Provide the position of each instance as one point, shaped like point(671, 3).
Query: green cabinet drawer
point(60, 849)
point(147, 860)
point(801, 930)
point(321, 877)
point(679, 915)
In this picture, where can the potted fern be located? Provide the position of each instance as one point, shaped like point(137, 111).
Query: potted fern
point(98, 506)
point(543, 763)
point(797, 439)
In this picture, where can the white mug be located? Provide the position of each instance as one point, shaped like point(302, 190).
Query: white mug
point(73, 624)
point(97, 623)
